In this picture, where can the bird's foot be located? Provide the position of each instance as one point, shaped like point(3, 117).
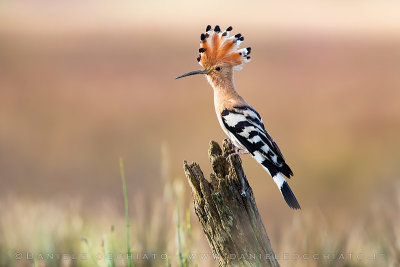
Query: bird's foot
point(243, 193)
point(245, 188)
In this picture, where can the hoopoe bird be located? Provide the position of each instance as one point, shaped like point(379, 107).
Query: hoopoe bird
point(220, 55)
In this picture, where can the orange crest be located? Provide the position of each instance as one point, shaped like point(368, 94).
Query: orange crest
point(216, 47)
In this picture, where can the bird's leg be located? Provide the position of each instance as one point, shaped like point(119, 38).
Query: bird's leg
point(237, 151)
point(241, 152)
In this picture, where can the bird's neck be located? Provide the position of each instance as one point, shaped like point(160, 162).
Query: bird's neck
point(223, 86)
point(225, 94)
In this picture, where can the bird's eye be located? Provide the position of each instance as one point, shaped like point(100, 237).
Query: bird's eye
point(218, 68)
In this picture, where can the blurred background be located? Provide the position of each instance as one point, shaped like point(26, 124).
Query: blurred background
point(83, 83)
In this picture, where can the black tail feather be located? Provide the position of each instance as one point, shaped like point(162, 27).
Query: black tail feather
point(289, 196)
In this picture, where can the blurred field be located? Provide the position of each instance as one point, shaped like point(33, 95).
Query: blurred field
point(82, 85)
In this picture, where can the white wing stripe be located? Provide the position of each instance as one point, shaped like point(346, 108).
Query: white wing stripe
point(232, 119)
point(259, 157)
point(265, 148)
point(249, 112)
point(247, 130)
point(255, 139)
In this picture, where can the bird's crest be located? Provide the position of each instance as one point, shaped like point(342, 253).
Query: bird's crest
point(218, 47)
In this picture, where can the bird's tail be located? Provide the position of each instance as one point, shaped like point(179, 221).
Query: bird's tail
point(287, 193)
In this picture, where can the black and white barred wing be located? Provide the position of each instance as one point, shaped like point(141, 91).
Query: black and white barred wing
point(245, 126)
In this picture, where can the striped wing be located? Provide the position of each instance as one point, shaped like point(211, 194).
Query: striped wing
point(246, 125)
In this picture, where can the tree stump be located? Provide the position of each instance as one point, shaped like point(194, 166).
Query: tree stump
point(227, 210)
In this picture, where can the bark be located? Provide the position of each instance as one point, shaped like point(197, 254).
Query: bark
point(227, 210)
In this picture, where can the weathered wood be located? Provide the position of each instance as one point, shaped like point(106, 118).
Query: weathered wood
point(227, 210)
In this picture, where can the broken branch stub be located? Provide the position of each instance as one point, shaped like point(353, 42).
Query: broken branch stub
point(227, 210)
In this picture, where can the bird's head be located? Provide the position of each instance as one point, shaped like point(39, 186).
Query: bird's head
point(220, 54)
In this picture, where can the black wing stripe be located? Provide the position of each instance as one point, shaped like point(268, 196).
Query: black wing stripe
point(253, 134)
point(273, 170)
point(250, 111)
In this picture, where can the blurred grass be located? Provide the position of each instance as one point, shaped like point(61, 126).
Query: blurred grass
point(39, 228)
point(33, 232)
point(126, 206)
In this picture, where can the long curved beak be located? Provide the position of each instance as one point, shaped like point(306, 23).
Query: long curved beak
point(193, 73)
